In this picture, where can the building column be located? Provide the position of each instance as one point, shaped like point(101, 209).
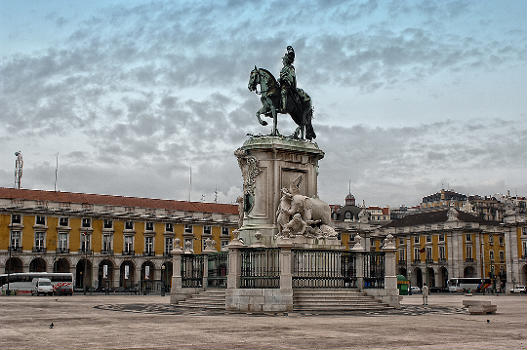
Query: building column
point(358, 248)
point(286, 273)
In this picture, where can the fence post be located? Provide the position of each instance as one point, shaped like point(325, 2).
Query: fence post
point(177, 285)
point(210, 248)
point(390, 279)
point(359, 261)
point(234, 262)
point(286, 273)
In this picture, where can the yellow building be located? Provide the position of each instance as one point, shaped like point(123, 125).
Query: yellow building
point(436, 245)
point(117, 242)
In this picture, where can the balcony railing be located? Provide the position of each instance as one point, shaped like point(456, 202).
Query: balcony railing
point(469, 259)
point(167, 254)
point(39, 250)
point(17, 249)
point(63, 250)
point(151, 253)
point(442, 260)
point(84, 251)
point(429, 260)
point(128, 252)
point(107, 251)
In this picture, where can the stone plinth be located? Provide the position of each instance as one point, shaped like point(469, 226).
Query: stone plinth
point(268, 164)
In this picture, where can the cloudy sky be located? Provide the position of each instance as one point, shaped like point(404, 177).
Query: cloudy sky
point(409, 97)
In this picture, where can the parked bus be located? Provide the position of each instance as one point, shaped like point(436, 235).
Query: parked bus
point(468, 284)
point(22, 282)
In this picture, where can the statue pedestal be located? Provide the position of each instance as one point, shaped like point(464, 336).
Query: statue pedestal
point(268, 164)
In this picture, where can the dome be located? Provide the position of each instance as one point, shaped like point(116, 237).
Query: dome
point(350, 199)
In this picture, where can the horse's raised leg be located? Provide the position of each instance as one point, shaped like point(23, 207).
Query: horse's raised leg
point(261, 111)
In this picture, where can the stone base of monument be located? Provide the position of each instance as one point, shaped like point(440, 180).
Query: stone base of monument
point(270, 164)
point(259, 300)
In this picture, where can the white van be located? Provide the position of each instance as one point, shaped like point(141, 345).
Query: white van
point(41, 286)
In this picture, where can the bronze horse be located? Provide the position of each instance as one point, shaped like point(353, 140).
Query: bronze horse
point(298, 104)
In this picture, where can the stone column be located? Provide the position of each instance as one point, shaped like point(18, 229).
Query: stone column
point(286, 274)
point(390, 278)
point(116, 278)
point(177, 286)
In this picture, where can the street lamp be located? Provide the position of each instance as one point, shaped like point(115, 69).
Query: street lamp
point(163, 277)
point(85, 234)
point(9, 269)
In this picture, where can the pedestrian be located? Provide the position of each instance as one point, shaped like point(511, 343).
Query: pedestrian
point(425, 294)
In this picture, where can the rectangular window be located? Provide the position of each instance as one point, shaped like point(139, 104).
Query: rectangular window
point(106, 243)
point(169, 245)
point(491, 239)
point(469, 253)
point(224, 243)
point(428, 239)
point(224, 231)
point(207, 230)
point(128, 244)
point(401, 255)
point(429, 253)
point(188, 228)
point(16, 219)
point(149, 226)
point(441, 237)
point(149, 245)
point(62, 245)
point(491, 255)
point(40, 220)
point(468, 238)
point(86, 222)
point(442, 255)
point(129, 225)
point(85, 242)
point(417, 257)
point(416, 239)
point(401, 241)
point(39, 240)
point(107, 223)
point(169, 227)
point(524, 249)
point(524, 231)
point(502, 256)
point(64, 222)
point(203, 244)
point(502, 240)
point(16, 240)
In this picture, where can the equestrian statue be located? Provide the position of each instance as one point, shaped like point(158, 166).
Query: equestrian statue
point(283, 97)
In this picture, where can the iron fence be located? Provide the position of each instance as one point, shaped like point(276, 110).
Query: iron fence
point(191, 271)
point(260, 268)
point(323, 269)
point(373, 270)
point(217, 270)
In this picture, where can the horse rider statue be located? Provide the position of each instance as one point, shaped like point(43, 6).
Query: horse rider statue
point(287, 77)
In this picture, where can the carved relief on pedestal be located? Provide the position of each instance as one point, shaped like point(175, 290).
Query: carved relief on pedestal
point(249, 166)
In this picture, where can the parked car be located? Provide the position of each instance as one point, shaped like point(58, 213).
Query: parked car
point(518, 288)
point(415, 290)
point(41, 286)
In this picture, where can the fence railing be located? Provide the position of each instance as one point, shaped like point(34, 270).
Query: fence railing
point(217, 270)
point(373, 270)
point(260, 268)
point(323, 269)
point(192, 271)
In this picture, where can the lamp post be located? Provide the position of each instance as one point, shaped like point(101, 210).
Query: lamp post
point(163, 277)
point(9, 269)
point(85, 234)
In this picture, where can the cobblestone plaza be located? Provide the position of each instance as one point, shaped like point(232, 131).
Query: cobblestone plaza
point(150, 322)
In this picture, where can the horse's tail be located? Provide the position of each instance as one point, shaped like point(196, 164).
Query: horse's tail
point(310, 132)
